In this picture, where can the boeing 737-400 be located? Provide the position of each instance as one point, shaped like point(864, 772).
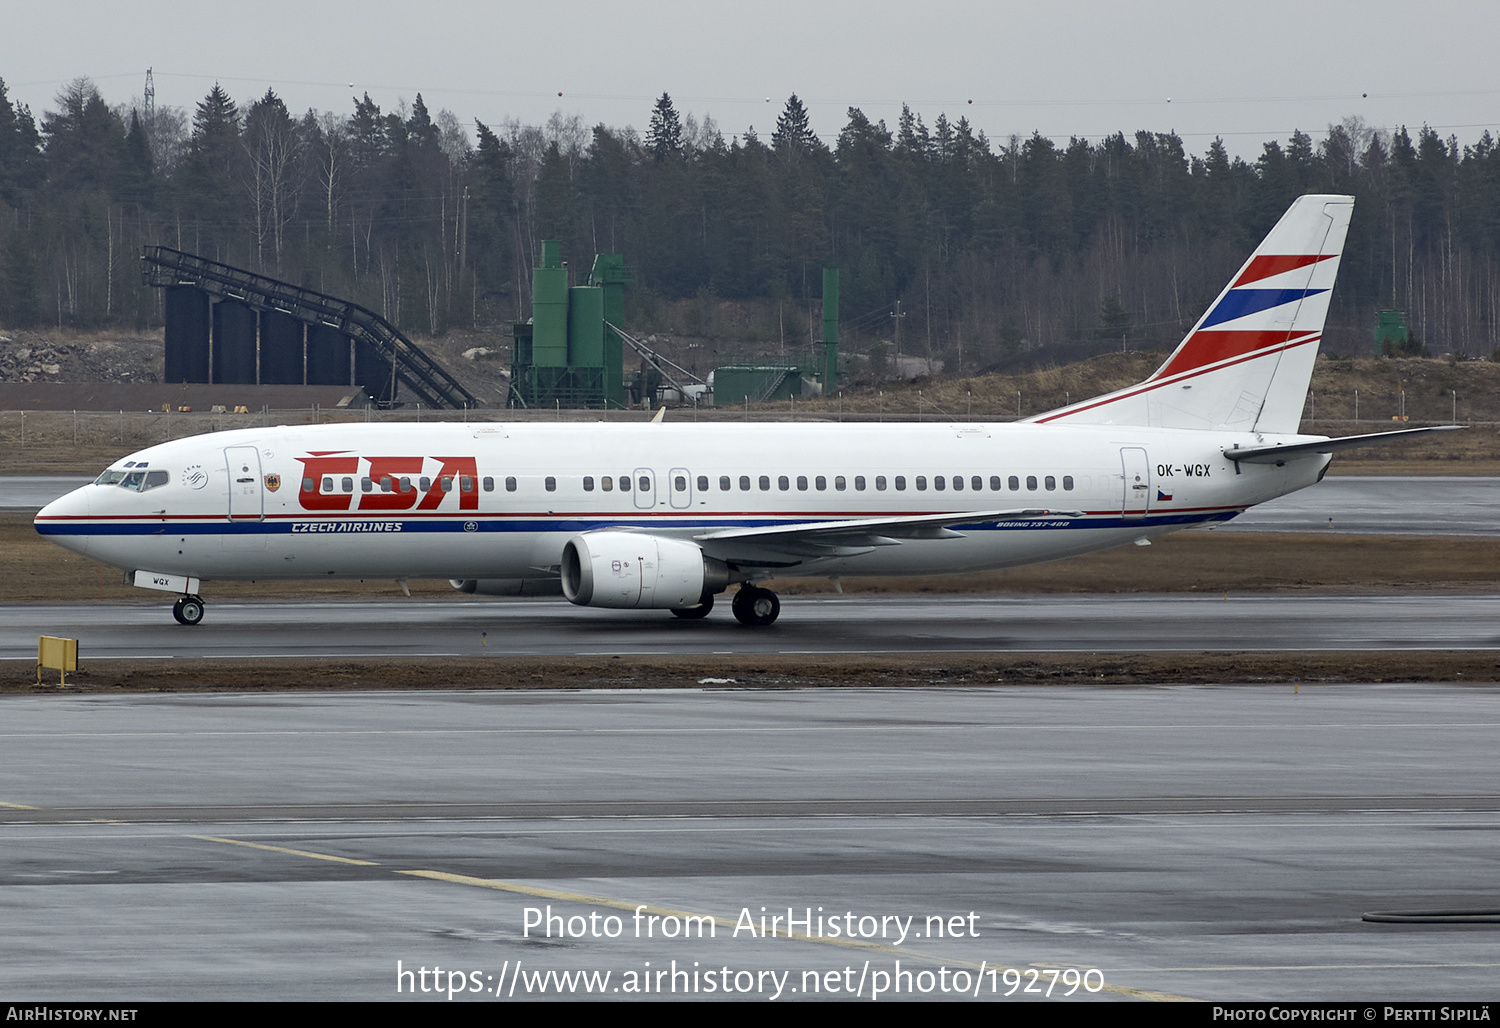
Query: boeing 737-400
point(667, 516)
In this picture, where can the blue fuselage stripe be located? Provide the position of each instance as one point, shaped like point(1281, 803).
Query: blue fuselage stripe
point(574, 525)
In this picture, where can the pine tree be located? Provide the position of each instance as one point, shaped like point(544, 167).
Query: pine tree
point(793, 137)
point(216, 131)
point(664, 136)
point(492, 216)
point(1114, 319)
point(911, 135)
point(18, 282)
point(136, 177)
point(20, 153)
point(85, 140)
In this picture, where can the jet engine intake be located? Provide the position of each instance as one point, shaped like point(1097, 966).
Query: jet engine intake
point(632, 570)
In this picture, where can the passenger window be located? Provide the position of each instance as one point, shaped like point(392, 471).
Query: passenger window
point(679, 483)
point(703, 483)
point(921, 483)
point(510, 483)
point(1068, 482)
point(1031, 482)
point(588, 483)
point(744, 483)
point(802, 482)
point(386, 485)
point(424, 483)
point(489, 483)
point(724, 483)
point(820, 483)
point(859, 483)
point(446, 483)
point(1015, 483)
point(900, 483)
point(783, 483)
point(1050, 482)
point(958, 483)
point(327, 484)
point(937, 482)
point(839, 483)
point(607, 483)
point(644, 484)
point(406, 483)
point(624, 483)
point(365, 485)
point(550, 484)
point(348, 485)
point(465, 484)
point(765, 483)
point(880, 482)
point(994, 483)
point(976, 483)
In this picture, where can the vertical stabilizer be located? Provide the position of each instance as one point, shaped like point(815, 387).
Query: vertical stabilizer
point(1247, 363)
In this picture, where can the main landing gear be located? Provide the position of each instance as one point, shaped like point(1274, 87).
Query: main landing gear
point(756, 607)
point(188, 610)
point(752, 606)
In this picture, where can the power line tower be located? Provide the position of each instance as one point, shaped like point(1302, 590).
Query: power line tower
point(149, 98)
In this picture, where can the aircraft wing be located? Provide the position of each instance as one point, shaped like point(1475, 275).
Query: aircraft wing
point(1282, 454)
point(786, 545)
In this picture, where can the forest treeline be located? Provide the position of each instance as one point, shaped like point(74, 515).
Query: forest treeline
point(990, 247)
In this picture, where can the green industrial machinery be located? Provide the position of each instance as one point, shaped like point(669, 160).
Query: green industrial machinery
point(569, 354)
point(1391, 333)
point(763, 379)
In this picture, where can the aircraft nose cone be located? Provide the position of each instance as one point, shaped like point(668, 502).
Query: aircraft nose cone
point(64, 520)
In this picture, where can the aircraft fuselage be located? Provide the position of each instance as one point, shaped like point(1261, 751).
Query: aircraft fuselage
point(500, 500)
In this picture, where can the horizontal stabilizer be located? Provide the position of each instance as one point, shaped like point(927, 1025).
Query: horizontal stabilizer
point(1282, 454)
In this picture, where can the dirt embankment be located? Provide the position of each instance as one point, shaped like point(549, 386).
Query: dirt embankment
point(1295, 671)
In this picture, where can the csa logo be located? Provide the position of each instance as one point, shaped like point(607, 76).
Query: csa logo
point(273, 482)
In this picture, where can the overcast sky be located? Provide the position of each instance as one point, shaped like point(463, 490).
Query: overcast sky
point(1247, 71)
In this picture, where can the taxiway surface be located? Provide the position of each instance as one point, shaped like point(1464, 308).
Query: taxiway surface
point(477, 628)
point(1216, 843)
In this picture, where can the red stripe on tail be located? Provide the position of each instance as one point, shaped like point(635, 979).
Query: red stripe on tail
point(1268, 265)
point(1210, 347)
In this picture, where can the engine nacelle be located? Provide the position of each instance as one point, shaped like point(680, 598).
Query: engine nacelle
point(508, 586)
point(633, 570)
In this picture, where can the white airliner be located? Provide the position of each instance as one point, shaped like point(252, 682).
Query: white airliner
point(666, 516)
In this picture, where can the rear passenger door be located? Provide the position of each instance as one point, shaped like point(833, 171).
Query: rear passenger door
point(1137, 474)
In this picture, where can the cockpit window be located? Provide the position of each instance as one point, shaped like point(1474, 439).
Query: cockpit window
point(137, 481)
point(110, 477)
